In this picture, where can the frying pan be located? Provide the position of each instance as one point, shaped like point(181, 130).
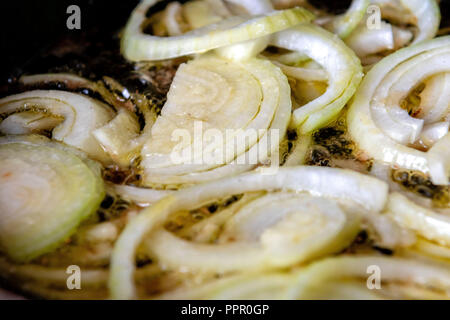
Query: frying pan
point(34, 38)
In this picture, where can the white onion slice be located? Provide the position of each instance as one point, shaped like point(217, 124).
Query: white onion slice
point(137, 46)
point(234, 101)
point(368, 192)
point(343, 68)
point(386, 84)
point(392, 269)
point(82, 115)
point(426, 222)
point(46, 191)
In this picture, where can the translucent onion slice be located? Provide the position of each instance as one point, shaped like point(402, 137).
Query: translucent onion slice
point(368, 192)
point(46, 191)
point(433, 133)
point(432, 249)
point(435, 98)
point(28, 122)
point(276, 230)
point(425, 15)
point(173, 9)
point(259, 286)
point(306, 74)
point(199, 14)
point(341, 64)
point(137, 46)
point(438, 157)
point(244, 50)
point(299, 151)
point(342, 277)
point(81, 115)
point(120, 137)
point(254, 7)
point(392, 270)
point(366, 42)
point(141, 196)
point(343, 25)
point(375, 119)
point(426, 222)
point(217, 103)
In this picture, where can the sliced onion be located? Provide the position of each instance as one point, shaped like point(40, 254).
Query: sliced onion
point(426, 222)
point(343, 68)
point(432, 249)
point(199, 14)
point(220, 95)
point(306, 74)
point(392, 270)
point(259, 286)
point(438, 157)
point(254, 7)
point(276, 230)
point(81, 115)
point(299, 151)
point(435, 98)
point(28, 122)
point(120, 138)
point(244, 50)
point(433, 132)
point(47, 190)
point(342, 277)
point(343, 25)
point(173, 9)
point(383, 88)
point(137, 46)
point(366, 41)
point(141, 196)
point(424, 14)
point(347, 185)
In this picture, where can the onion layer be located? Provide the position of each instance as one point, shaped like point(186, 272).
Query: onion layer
point(341, 64)
point(81, 116)
point(237, 114)
point(426, 222)
point(391, 270)
point(381, 127)
point(346, 185)
point(46, 191)
point(137, 46)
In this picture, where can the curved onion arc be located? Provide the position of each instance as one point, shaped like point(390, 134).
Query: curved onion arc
point(141, 196)
point(137, 46)
point(432, 249)
point(428, 18)
point(375, 90)
point(426, 222)
point(435, 98)
point(392, 269)
point(121, 138)
point(344, 24)
point(343, 68)
point(261, 286)
point(366, 42)
point(82, 115)
point(370, 193)
point(47, 190)
point(254, 7)
point(275, 230)
point(426, 15)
